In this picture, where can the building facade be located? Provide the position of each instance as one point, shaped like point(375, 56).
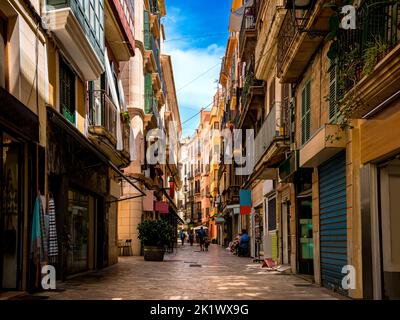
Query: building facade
point(323, 178)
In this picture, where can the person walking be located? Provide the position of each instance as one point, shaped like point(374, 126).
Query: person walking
point(191, 238)
point(244, 244)
point(183, 236)
point(202, 236)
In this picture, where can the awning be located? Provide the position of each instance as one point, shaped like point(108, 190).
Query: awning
point(18, 118)
point(61, 122)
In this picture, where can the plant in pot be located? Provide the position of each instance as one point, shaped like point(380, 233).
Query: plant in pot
point(154, 235)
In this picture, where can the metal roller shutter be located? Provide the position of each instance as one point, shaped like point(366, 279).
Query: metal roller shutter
point(333, 221)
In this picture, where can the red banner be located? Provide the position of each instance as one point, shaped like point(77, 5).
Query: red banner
point(162, 207)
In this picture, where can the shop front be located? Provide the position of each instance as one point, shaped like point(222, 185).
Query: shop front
point(304, 223)
point(84, 185)
point(380, 204)
point(19, 183)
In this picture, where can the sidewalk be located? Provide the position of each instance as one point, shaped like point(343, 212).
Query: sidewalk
point(190, 275)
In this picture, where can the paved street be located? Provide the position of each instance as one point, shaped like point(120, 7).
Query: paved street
point(188, 274)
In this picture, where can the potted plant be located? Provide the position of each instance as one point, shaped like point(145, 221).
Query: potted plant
point(154, 235)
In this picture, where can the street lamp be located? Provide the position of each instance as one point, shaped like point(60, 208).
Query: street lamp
point(298, 4)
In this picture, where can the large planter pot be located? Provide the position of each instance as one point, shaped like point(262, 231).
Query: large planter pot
point(153, 253)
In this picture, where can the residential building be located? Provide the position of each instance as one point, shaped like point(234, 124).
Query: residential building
point(24, 95)
point(87, 135)
point(151, 99)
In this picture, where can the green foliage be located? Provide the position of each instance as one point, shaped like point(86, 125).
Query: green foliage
point(371, 54)
point(125, 116)
point(155, 233)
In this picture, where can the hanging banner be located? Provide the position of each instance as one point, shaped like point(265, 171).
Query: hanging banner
point(162, 207)
point(148, 201)
point(245, 202)
point(172, 189)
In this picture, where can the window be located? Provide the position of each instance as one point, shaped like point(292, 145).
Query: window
point(306, 113)
point(272, 214)
point(67, 92)
point(335, 93)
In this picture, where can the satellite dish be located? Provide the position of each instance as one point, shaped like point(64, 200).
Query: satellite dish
point(187, 221)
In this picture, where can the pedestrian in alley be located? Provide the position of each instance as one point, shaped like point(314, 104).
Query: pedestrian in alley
point(191, 238)
point(183, 237)
point(202, 236)
point(244, 244)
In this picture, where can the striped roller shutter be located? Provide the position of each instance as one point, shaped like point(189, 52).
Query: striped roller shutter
point(333, 221)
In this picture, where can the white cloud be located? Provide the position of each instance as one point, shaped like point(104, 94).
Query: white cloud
point(190, 64)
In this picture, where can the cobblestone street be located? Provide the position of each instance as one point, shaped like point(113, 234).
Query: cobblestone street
point(185, 275)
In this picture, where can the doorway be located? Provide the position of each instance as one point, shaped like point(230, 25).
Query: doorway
point(305, 240)
point(11, 213)
point(390, 226)
point(285, 212)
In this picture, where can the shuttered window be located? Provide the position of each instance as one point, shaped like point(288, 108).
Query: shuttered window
point(335, 93)
point(67, 92)
point(148, 94)
point(306, 113)
point(146, 30)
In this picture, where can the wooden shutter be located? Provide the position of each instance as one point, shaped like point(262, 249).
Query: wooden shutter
point(306, 113)
point(333, 98)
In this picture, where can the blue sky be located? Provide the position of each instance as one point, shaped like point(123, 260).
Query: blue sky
point(196, 34)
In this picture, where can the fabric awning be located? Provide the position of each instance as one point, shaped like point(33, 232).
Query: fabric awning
point(61, 122)
point(18, 118)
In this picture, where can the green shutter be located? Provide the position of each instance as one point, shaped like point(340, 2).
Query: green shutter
point(306, 113)
point(148, 94)
point(146, 30)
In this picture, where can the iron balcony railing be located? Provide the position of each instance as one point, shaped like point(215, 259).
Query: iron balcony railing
point(248, 22)
point(249, 82)
point(103, 112)
point(377, 29)
point(154, 8)
point(273, 128)
point(294, 23)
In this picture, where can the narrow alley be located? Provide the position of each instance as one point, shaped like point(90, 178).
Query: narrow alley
point(188, 274)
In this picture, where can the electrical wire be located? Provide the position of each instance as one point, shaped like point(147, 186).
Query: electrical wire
point(199, 76)
point(195, 115)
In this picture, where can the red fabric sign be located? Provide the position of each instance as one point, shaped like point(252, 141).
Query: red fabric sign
point(245, 210)
point(162, 207)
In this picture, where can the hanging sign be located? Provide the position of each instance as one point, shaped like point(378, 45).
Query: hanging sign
point(162, 207)
point(245, 202)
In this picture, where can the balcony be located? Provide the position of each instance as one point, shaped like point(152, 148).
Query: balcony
point(69, 21)
point(301, 33)
point(103, 127)
point(266, 48)
point(232, 195)
point(323, 145)
point(120, 31)
point(379, 35)
point(252, 97)
point(151, 52)
point(271, 141)
point(248, 33)
point(288, 168)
